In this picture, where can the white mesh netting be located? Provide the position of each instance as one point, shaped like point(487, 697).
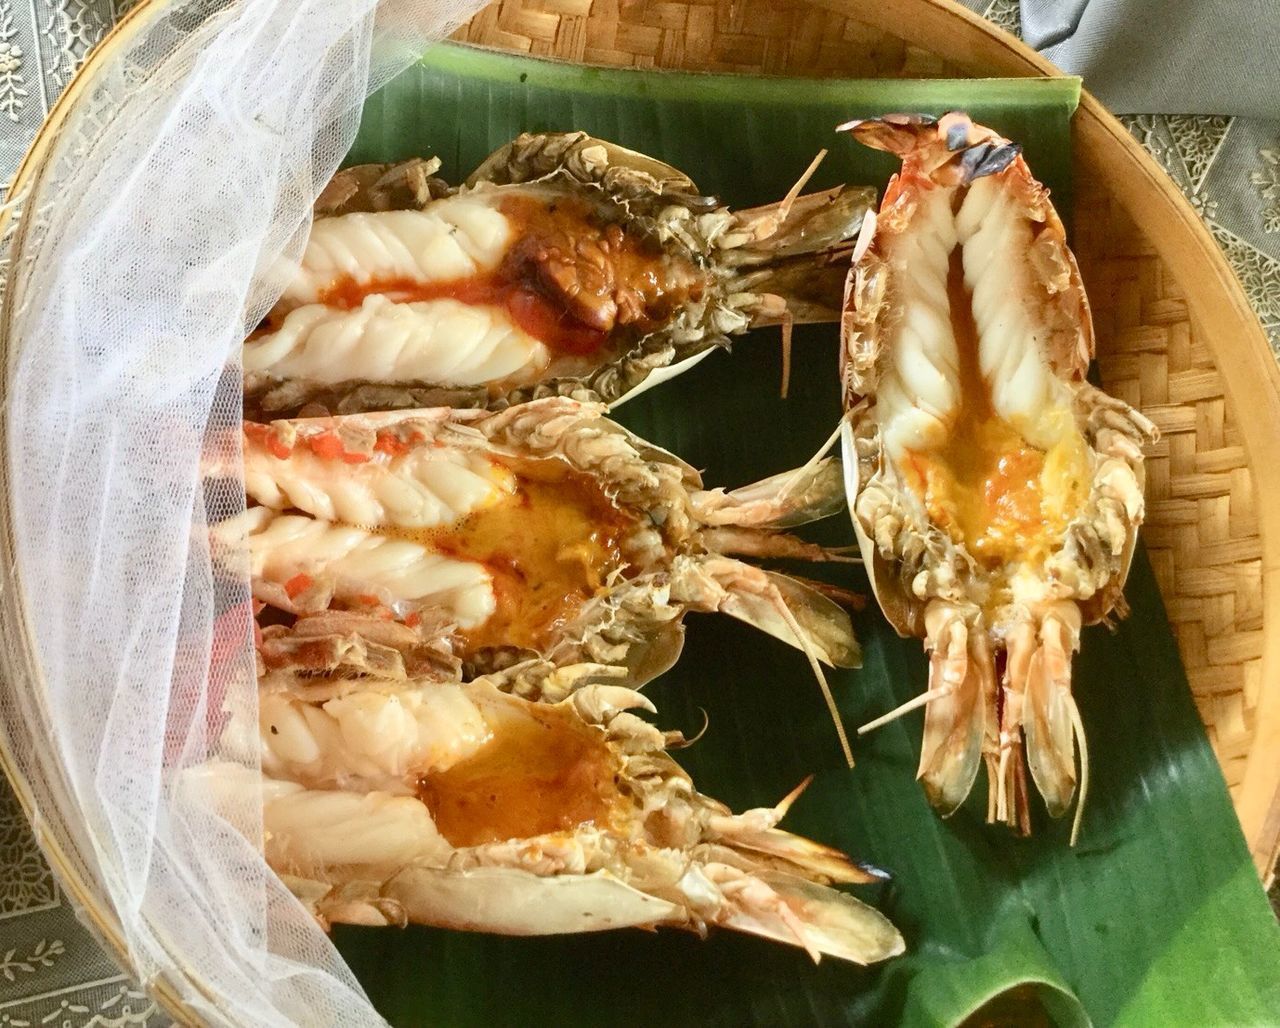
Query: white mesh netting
point(135, 255)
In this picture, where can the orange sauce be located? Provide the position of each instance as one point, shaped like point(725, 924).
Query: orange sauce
point(538, 775)
point(528, 309)
point(569, 280)
point(985, 483)
point(549, 547)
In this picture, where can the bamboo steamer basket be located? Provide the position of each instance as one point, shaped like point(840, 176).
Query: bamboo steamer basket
point(1176, 337)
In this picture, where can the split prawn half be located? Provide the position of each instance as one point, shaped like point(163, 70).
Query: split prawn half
point(452, 543)
point(996, 494)
point(566, 265)
point(465, 806)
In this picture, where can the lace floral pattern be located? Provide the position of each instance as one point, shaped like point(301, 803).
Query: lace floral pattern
point(1234, 185)
point(52, 973)
point(42, 42)
point(1198, 140)
point(43, 954)
point(13, 90)
point(1259, 273)
point(1005, 13)
point(26, 883)
point(110, 1003)
point(70, 30)
point(1267, 181)
point(1186, 146)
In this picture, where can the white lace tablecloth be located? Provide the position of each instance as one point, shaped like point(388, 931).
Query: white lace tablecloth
point(52, 972)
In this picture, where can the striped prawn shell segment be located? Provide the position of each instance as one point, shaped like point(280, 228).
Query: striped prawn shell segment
point(468, 806)
point(449, 542)
point(995, 493)
point(565, 265)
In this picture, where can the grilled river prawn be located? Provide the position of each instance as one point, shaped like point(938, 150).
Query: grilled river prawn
point(995, 493)
point(403, 541)
point(464, 806)
point(565, 265)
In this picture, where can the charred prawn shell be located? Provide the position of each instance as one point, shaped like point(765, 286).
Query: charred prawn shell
point(995, 493)
point(451, 543)
point(565, 265)
point(466, 806)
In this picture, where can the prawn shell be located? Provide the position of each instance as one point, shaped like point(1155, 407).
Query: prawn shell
point(900, 609)
point(532, 157)
point(666, 855)
point(965, 201)
point(949, 151)
point(406, 185)
point(760, 266)
point(673, 545)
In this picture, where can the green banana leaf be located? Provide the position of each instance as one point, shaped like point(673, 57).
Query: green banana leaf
point(1156, 917)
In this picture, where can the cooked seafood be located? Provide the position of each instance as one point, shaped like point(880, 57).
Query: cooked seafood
point(996, 494)
point(565, 265)
point(462, 805)
point(542, 530)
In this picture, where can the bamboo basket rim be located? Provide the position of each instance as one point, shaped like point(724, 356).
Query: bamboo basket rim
point(1252, 382)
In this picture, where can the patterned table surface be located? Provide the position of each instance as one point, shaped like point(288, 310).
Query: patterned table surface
point(52, 972)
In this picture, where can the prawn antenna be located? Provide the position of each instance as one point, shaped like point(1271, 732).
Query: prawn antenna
point(1077, 726)
point(788, 323)
point(906, 708)
point(784, 207)
point(798, 475)
point(789, 619)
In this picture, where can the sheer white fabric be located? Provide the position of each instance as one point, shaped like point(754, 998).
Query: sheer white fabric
point(135, 260)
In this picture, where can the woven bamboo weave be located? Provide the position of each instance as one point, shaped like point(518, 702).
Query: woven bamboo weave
point(753, 36)
point(1203, 529)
